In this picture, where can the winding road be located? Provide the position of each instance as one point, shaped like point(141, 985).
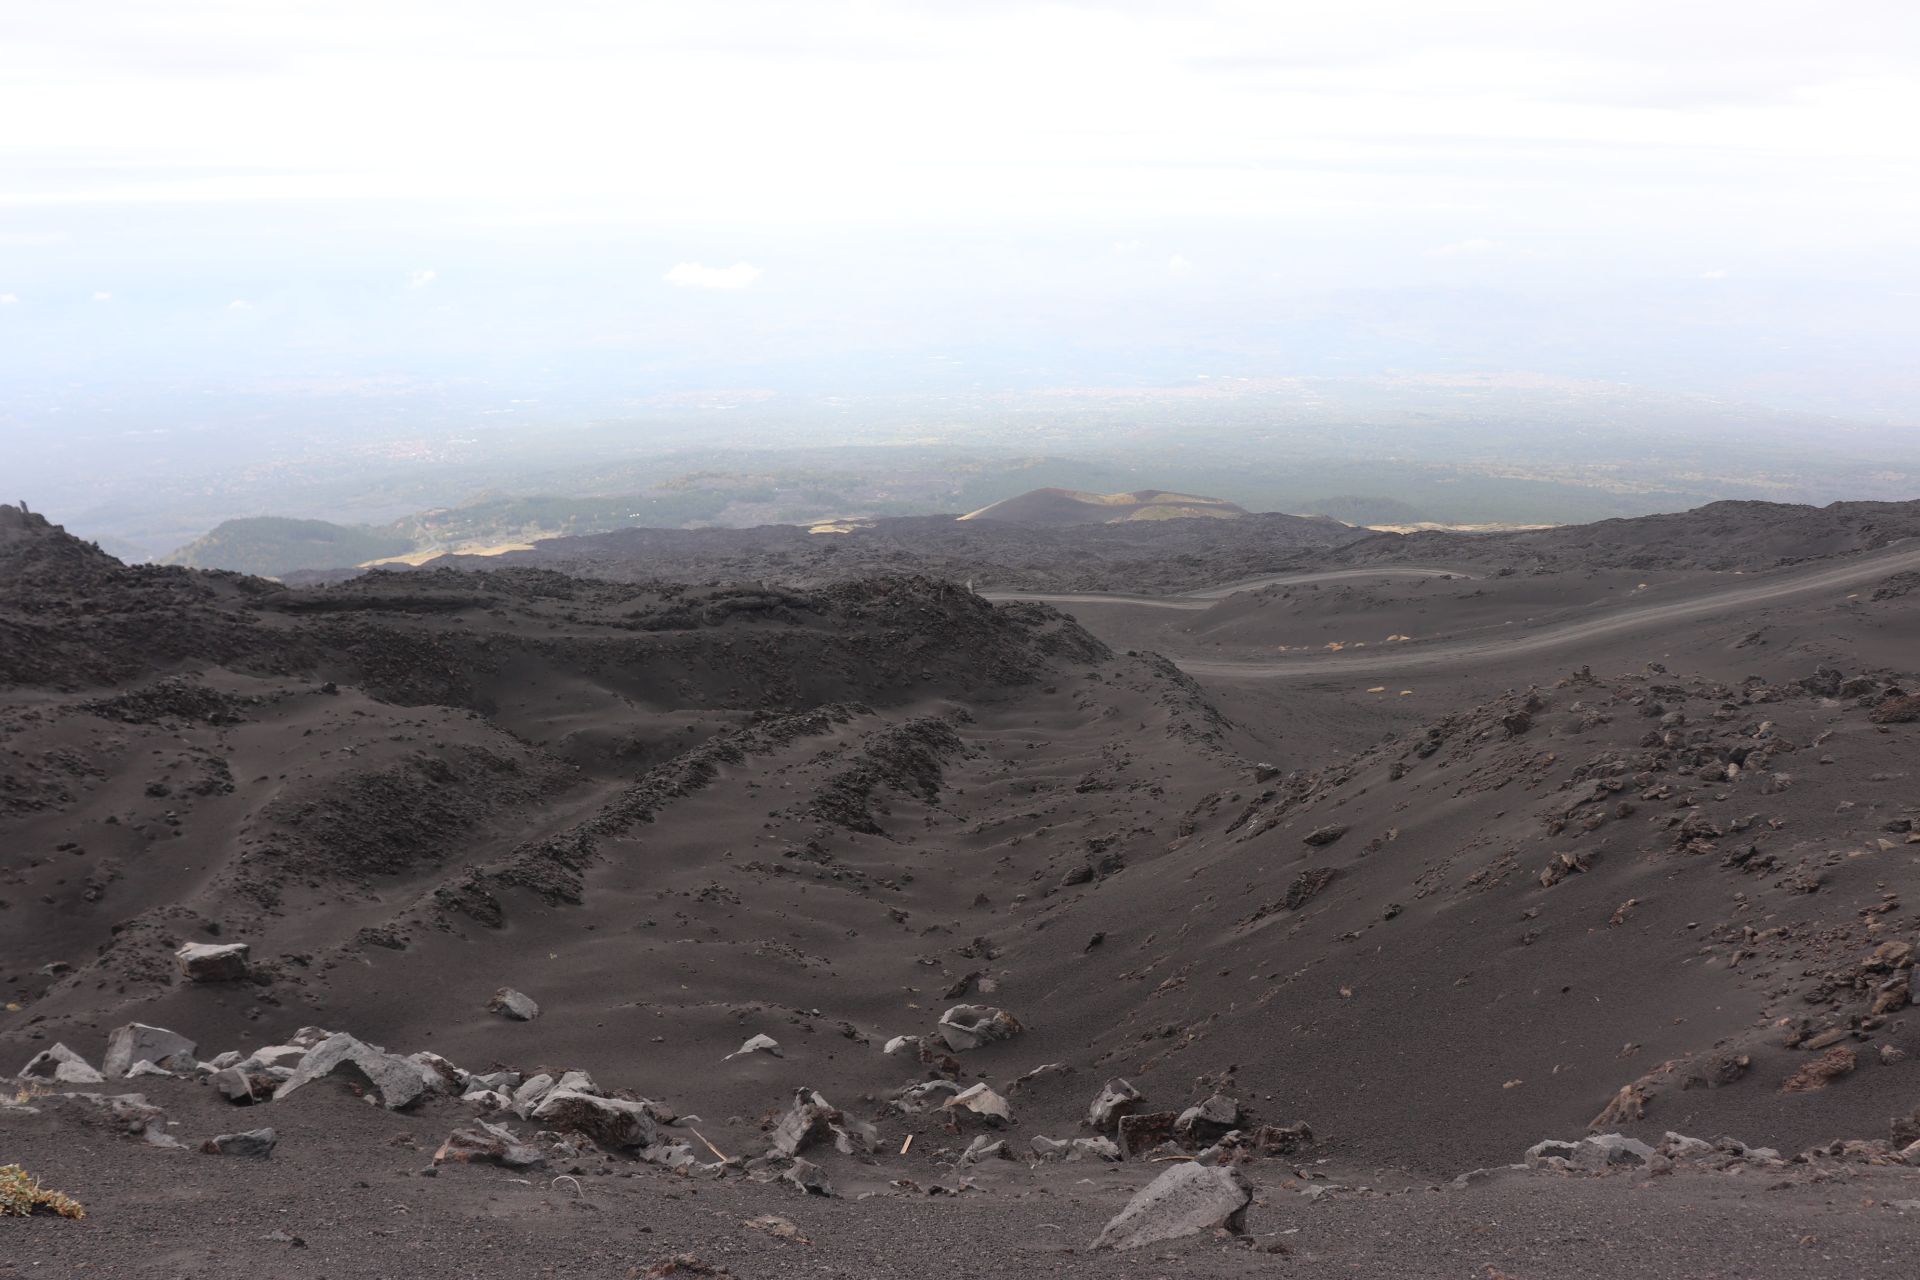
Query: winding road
point(1507, 643)
point(1210, 596)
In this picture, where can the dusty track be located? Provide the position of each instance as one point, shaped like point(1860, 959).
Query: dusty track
point(1509, 642)
point(1210, 596)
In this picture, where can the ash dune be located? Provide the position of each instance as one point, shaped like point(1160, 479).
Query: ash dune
point(1626, 879)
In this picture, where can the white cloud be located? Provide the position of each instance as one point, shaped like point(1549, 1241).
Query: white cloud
point(8, 299)
point(693, 275)
point(1718, 273)
point(239, 304)
point(1179, 265)
point(1127, 248)
point(1474, 248)
point(422, 278)
point(101, 295)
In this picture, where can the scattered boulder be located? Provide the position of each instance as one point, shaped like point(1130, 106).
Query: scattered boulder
point(756, 1044)
point(244, 1084)
point(926, 1095)
point(488, 1144)
point(811, 1120)
point(396, 1082)
point(1117, 1100)
point(612, 1122)
point(62, 1066)
point(527, 1096)
point(213, 961)
point(968, 1026)
point(1185, 1200)
point(138, 1042)
point(515, 1005)
point(1208, 1121)
point(256, 1144)
point(808, 1177)
point(982, 1102)
point(1320, 837)
point(901, 1044)
point(984, 1148)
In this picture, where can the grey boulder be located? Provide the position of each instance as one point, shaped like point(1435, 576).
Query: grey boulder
point(1185, 1200)
point(516, 1005)
point(138, 1042)
point(396, 1082)
point(62, 1066)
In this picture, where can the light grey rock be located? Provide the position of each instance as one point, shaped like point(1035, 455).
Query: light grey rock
point(1116, 1100)
point(145, 1068)
point(577, 1082)
point(1185, 1200)
point(968, 1026)
point(212, 961)
point(1598, 1153)
point(243, 1085)
point(256, 1144)
point(138, 1042)
point(220, 1062)
point(902, 1044)
point(62, 1066)
point(278, 1055)
point(756, 1044)
point(983, 1102)
point(515, 1005)
point(396, 1082)
point(487, 1101)
point(506, 1081)
point(531, 1090)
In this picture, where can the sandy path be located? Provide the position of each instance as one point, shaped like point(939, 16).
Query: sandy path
point(1509, 643)
point(1210, 596)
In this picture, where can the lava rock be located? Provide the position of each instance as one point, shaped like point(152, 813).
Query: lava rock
point(256, 1144)
point(213, 961)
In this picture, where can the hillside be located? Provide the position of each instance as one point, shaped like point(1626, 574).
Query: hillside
point(1051, 508)
point(273, 545)
point(1387, 915)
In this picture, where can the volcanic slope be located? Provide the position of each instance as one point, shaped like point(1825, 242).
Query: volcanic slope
point(1127, 555)
point(679, 817)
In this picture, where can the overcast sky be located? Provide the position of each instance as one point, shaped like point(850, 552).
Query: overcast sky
point(226, 189)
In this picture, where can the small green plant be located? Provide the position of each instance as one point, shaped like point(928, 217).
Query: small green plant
point(20, 1195)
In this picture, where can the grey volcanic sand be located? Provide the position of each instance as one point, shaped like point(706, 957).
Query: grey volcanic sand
point(678, 818)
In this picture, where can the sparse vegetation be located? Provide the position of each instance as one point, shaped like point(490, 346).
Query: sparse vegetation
point(21, 1195)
